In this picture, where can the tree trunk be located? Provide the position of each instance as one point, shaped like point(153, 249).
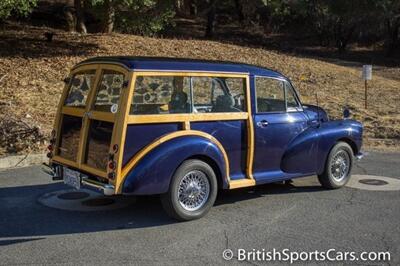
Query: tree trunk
point(393, 34)
point(239, 10)
point(211, 19)
point(80, 17)
point(110, 17)
point(193, 8)
point(183, 7)
point(70, 18)
point(345, 39)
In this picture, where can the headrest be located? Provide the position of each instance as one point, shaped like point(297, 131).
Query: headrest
point(180, 97)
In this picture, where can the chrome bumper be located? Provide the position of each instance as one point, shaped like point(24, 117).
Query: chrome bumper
point(56, 174)
point(107, 189)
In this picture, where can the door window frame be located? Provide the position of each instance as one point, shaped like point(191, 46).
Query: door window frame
point(285, 82)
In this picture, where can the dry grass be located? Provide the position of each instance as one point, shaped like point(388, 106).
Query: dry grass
point(31, 73)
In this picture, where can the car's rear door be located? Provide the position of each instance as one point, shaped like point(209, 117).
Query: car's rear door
point(90, 118)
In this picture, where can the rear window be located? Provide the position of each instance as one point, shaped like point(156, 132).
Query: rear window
point(70, 136)
point(99, 140)
point(80, 85)
point(109, 91)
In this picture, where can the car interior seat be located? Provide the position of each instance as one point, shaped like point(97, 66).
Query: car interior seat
point(224, 103)
point(179, 103)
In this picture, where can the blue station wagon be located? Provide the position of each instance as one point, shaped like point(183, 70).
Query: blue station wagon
point(184, 129)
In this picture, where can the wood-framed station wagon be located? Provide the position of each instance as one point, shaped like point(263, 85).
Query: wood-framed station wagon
point(185, 128)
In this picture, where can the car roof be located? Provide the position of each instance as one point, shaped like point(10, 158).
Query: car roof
point(183, 64)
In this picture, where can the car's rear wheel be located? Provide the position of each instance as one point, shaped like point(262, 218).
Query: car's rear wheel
point(337, 167)
point(192, 191)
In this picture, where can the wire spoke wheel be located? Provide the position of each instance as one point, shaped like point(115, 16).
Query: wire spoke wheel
point(340, 165)
point(194, 190)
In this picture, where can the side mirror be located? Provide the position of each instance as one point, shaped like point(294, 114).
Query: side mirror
point(346, 113)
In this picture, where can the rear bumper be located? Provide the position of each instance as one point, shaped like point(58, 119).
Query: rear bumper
point(56, 172)
point(107, 189)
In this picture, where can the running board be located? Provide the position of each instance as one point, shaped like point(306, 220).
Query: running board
point(241, 183)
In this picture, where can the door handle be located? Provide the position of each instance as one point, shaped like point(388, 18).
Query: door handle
point(262, 123)
point(313, 123)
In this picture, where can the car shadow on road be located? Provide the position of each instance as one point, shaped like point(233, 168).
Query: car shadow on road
point(307, 185)
point(23, 218)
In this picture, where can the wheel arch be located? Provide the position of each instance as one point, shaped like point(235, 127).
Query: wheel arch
point(213, 164)
point(351, 143)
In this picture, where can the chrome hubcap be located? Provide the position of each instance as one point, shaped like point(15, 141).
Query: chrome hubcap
point(194, 190)
point(340, 165)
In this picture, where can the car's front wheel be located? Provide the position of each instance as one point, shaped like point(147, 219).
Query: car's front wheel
point(337, 167)
point(192, 191)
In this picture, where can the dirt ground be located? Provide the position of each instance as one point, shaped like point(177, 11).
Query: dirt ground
point(32, 70)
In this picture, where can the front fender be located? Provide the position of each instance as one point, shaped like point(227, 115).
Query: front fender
point(333, 131)
point(300, 154)
point(153, 173)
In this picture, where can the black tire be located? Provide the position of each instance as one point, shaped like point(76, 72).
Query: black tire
point(330, 180)
point(170, 200)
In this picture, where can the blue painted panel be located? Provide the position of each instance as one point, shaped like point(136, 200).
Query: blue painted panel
point(232, 136)
point(153, 173)
point(332, 131)
point(139, 136)
point(273, 140)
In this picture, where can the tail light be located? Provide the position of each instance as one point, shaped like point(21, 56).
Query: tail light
point(50, 148)
point(111, 175)
point(112, 165)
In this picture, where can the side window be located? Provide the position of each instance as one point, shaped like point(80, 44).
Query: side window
point(216, 90)
point(80, 86)
point(161, 95)
point(108, 92)
point(237, 88)
point(206, 90)
point(213, 94)
point(270, 95)
point(291, 100)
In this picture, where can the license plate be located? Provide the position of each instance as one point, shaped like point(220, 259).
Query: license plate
point(72, 178)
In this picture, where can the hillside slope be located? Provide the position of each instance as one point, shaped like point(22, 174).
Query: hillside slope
point(32, 70)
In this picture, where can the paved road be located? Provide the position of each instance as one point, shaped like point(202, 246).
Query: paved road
point(300, 217)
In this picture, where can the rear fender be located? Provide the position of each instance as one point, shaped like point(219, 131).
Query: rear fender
point(153, 172)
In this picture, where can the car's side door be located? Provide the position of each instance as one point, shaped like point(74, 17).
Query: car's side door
point(278, 121)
